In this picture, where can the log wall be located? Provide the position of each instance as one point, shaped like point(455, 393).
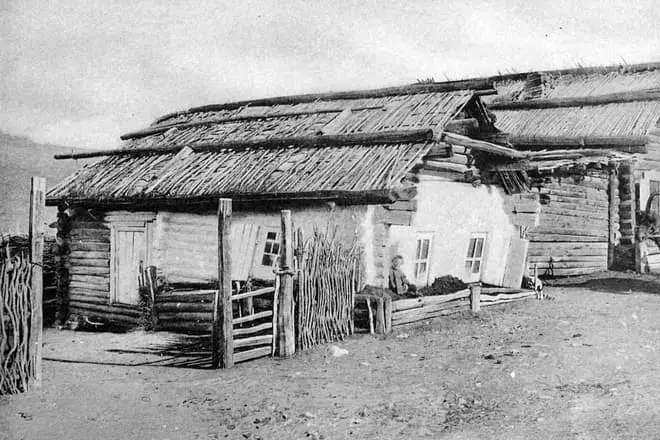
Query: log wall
point(571, 237)
point(191, 312)
point(89, 243)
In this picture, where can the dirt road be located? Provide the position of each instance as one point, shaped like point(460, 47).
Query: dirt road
point(585, 366)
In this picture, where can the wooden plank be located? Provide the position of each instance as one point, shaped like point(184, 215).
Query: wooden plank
point(412, 303)
point(255, 317)
point(194, 327)
point(89, 254)
point(109, 308)
point(515, 267)
point(93, 271)
point(90, 262)
point(264, 291)
point(254, 340)
point(255, 329)
point(486, 147)
point(286, 345)
point(86, 298)
point(545, 237)
point(568, 258)
point(252, 354)
point(184, 307)
point(36, 235)
point(222, 345)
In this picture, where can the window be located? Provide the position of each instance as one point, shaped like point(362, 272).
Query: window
point(475, 253)
point(422, 256)
point(271, 249)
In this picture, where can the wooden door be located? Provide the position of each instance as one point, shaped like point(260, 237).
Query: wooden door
point(515, 263)
point(129, 249)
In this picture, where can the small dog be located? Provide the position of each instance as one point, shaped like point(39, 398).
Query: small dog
point(538, 285)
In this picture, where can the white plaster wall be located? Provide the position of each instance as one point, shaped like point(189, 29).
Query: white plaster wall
point(451, 212)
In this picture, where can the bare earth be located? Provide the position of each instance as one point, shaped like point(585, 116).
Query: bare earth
point(586, 366)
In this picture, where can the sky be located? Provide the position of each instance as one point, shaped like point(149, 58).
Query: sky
point(81, 73)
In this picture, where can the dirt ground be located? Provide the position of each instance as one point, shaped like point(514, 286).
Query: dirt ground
point(585, 366)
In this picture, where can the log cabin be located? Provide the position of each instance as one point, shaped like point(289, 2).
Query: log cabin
point(614, 108)
point(391, 168)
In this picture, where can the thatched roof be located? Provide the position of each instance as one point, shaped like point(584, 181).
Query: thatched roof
point(370, 171)
point(351, 145)
point(615, 106)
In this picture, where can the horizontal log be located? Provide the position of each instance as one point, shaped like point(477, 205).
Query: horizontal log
point(88, 246)
point(549, 229)
point(161, 307)
point(251, 330)
point(538, 237)
point(98, 255)
point(96, 237)
point(186, 316)
point(88, 292)
point(411, 303)
point(383, 137)
point(258, 292)
point(186, 326)
point(592, 196)
point(502, 290)
point(103, 281)
point(553, 210)
point(79, 287)
point(89, 225)
point(254, 317)
point(89, 299)
point(94, 271)
point(252, 354)
point(581, 101)
point(252, 341)
point(90, 262)
point(191, 297)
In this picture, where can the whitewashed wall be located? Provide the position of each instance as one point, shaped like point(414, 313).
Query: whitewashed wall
point(185, 246)
point(451, 212)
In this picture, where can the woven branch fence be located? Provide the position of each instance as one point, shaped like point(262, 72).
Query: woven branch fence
point(15, 308)
point(329, 278)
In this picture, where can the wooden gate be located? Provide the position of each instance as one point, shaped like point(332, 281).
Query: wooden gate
point(252, 329)
point(328, 280)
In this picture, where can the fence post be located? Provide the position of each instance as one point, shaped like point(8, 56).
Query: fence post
point(223, 340)
point(37, 207)
point(286, 340)
point(475, 297)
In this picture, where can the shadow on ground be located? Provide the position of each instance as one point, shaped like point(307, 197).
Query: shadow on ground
point(176, 351)
point(613, 282)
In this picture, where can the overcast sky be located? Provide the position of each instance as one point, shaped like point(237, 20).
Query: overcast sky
point(80, 73)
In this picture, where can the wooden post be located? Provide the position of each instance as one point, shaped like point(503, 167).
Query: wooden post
point(223, 340)
point(37, 208)
point(286, 340)
point(380, 316)
point(475, 297)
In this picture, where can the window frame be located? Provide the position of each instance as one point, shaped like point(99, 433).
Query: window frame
point(471, 275)
point(274, 243)
point(419, 277)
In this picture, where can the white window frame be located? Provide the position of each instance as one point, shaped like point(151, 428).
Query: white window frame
point(420, 277)
point(272, 243)
point(473, 259)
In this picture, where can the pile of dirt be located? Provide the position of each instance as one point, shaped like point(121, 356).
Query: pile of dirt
point(443, 286)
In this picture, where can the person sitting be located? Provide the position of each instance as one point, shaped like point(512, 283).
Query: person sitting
point(398, 282)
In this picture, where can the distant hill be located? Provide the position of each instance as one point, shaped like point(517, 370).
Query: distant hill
point(20, 159)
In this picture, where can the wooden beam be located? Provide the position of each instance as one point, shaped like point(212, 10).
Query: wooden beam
point(223, 340)
point(481, 146)
point(36, 231)
point(611, 98)
point(441, 87)
point(286, 345)
point(613, 142)
point(385, 137)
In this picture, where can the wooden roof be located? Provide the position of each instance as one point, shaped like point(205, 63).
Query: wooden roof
point(350, 145)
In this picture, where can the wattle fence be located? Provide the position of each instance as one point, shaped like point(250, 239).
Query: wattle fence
point(16, 367)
